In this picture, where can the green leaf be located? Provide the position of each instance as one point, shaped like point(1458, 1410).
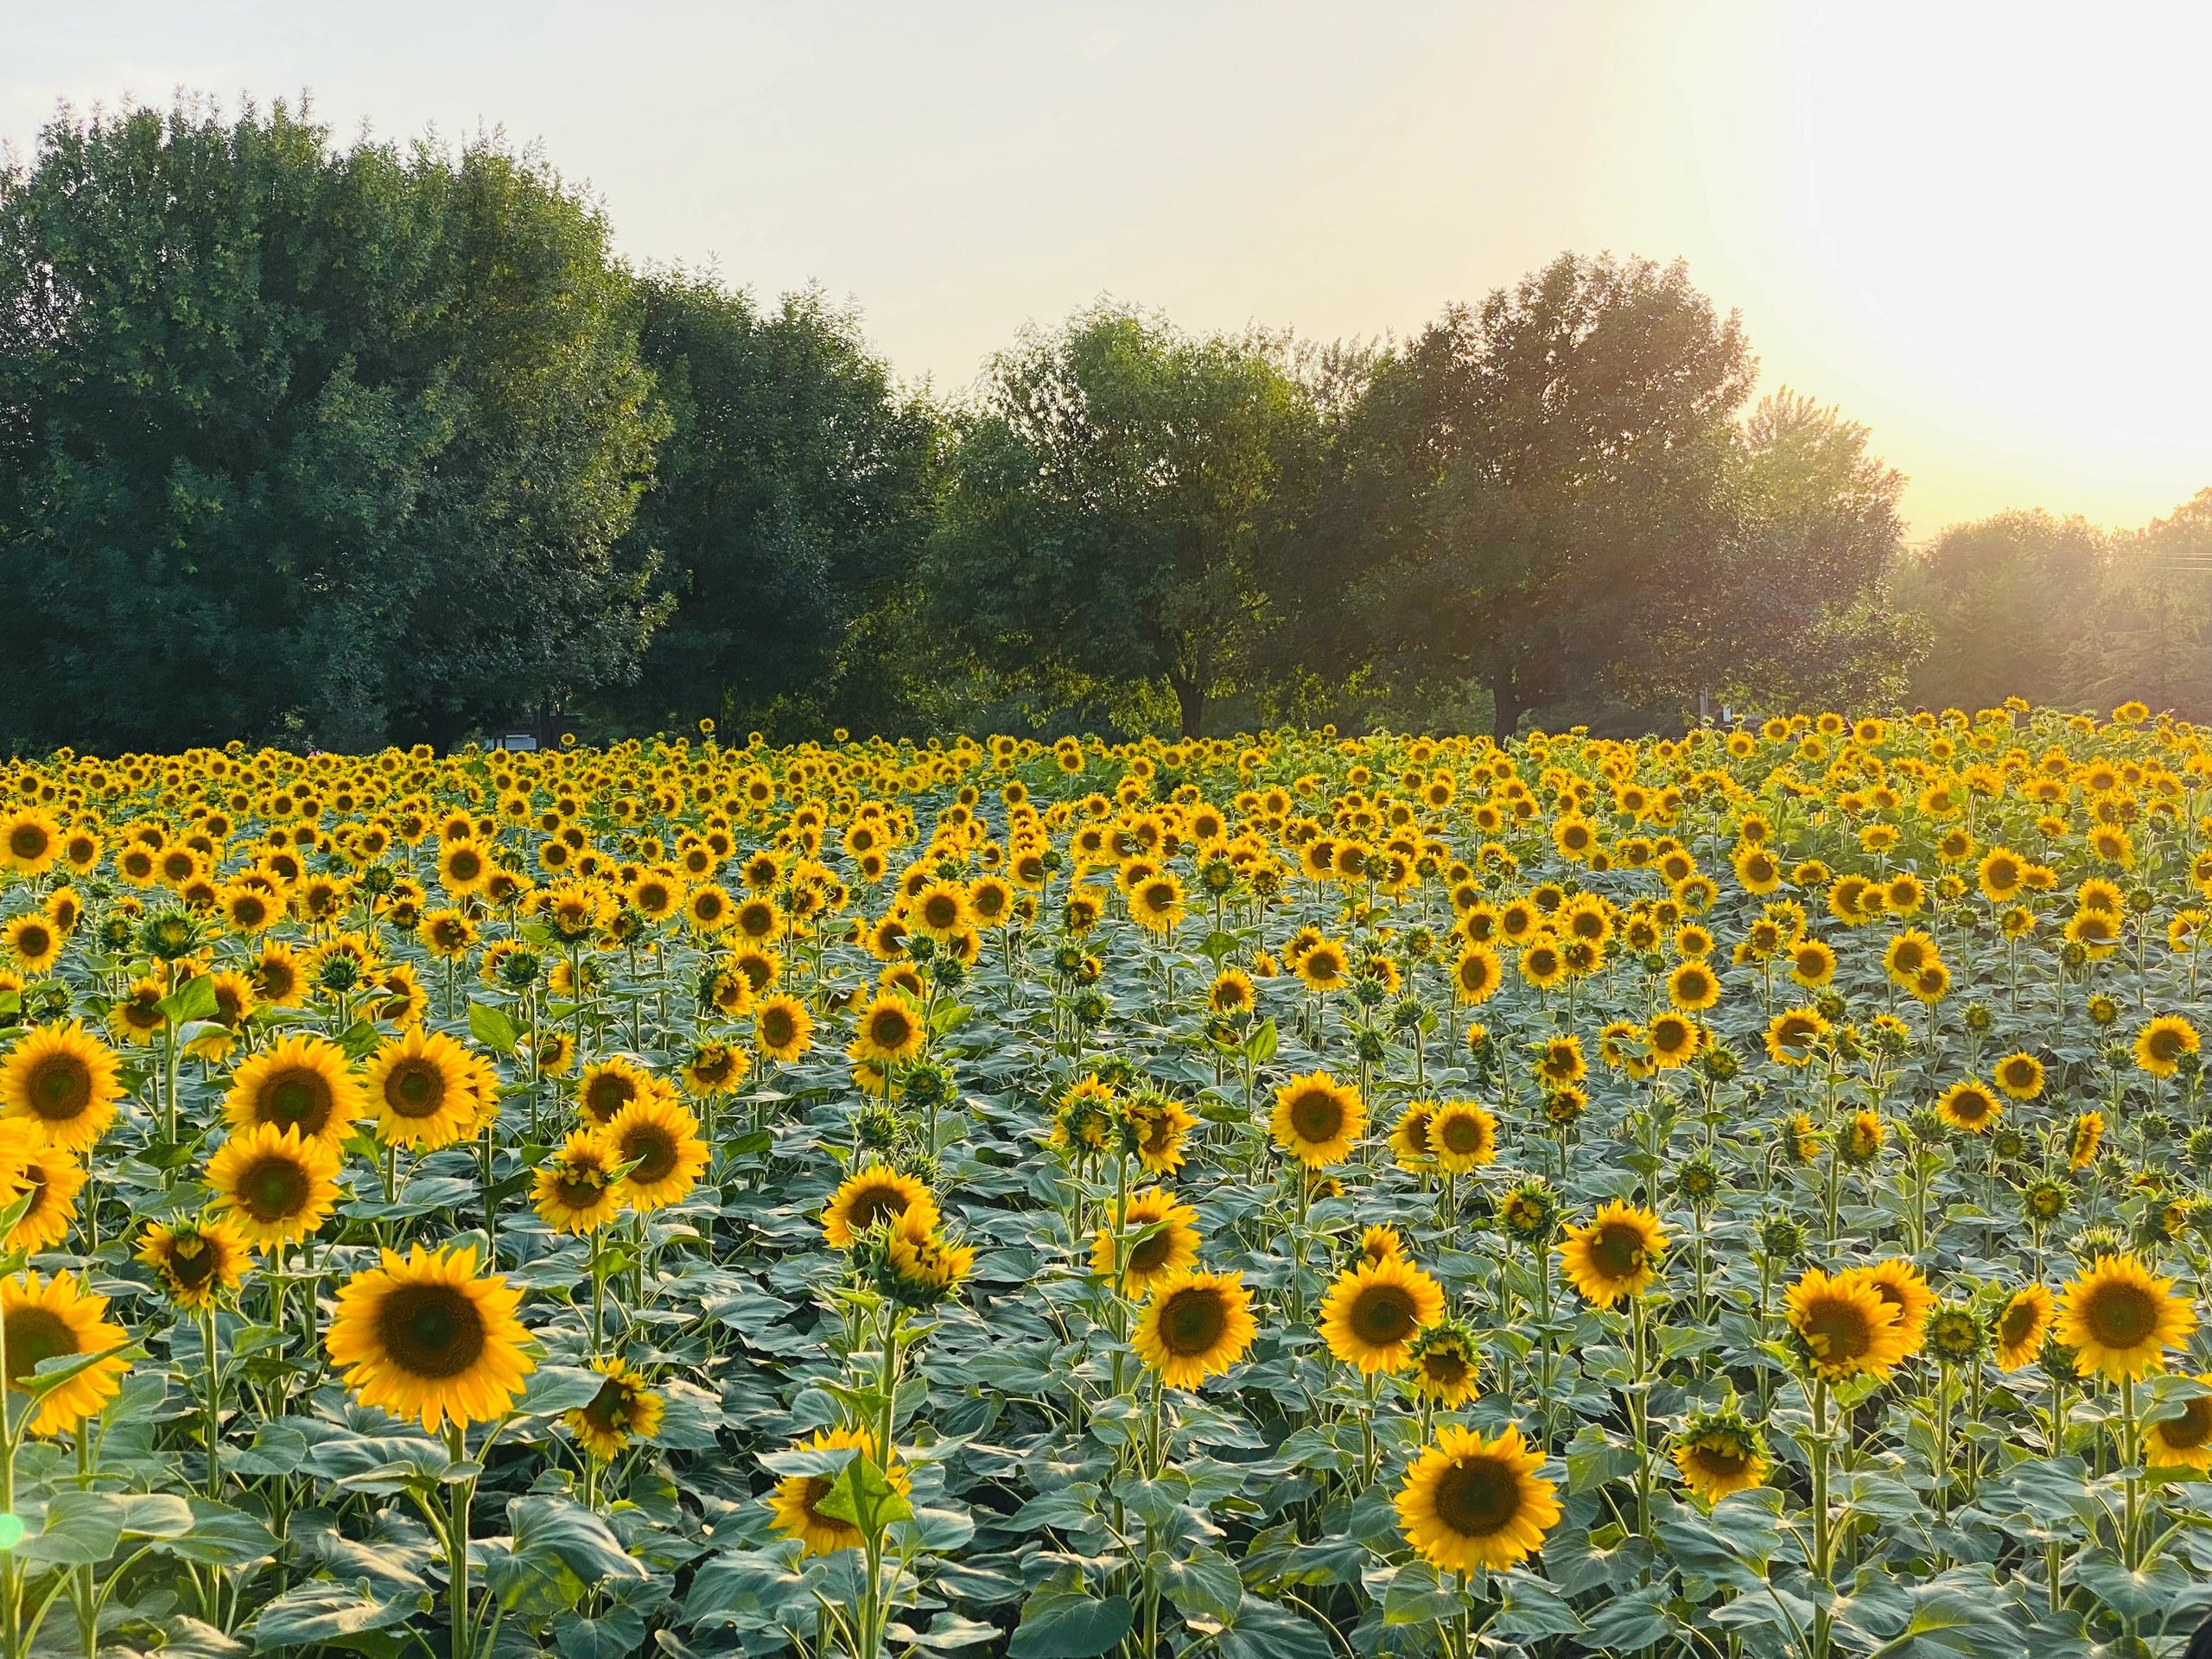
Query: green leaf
point(194, 1000)
point(222, 1536)
point(1262, 1630)
point(309, 1614)
point(494, 1027)
point(80, 1529)
point(1260, 1047)
point(1067, 1625)
point(559, 1528)
point(1203, 1584)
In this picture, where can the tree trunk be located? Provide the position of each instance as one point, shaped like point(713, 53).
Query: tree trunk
point(1191, 699)
point(1506, 707)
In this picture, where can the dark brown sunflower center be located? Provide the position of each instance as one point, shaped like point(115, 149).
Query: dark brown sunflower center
point(776, 1027)
point(275, 1189)
point(607, 1096)
point(1835, 1331)
point(415, 1089)
point(609, 1410)
point(35, 1334)
point(1460, 1133)
point(1193, 1322)
point(2018, 1320)
point(1723, 1459)
point(27, 840)
point(61, 1087)
point(1317, 1116)
point(653, 1147)
point(32, 940)
point(2192, 1429)
point(1617, 1251)
point(1476, 1497)
point(191, 1261)
point(874, 1203)
point(890, 1028)
point(297, 1099)
point(1444, 1365)
point(1383, 1315)
point(430, 1331)
point(2121, 1316)
point(1149, 1253)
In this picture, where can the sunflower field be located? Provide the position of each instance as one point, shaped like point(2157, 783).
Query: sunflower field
point(1280, 1197)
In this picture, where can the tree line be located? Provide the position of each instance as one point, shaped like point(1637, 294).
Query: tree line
point(345, 445)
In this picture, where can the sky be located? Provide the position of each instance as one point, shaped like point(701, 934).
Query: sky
point(1979, 229)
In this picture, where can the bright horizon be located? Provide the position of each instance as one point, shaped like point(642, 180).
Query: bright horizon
point(1979, 239)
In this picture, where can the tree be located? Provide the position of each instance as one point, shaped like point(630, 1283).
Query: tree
point(2000, 596)
point(337, 445)
point(788, 513)
point(2149, 633)
point(1108, 506)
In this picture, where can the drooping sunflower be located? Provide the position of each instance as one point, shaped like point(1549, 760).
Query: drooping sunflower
point(1718, 1452)
point(45, 1319)
point(575, 1191)
point(624, 1409)
point(1160, 1126)
point(1470, 1501)
point(1375, 1309)
point(60, 1081)
point(662, 1138)
point(870, 1194)
point(1843, 1327)
point(1382, 1244)
point(1615, 1254)
point(2162, 1043)
point(276, 1184)
point(427, 1337)
point(1464, 1137)
point(2083, 1138)
point(2020, 1326)
point(2119, 1319)
point(1446, 1363)
point(921, 1265)
point(420, 1091)
point(1196, 1325)
point(304, 1083)
point(1159, 1237)
point(797, 1502)
point(2185, 1441)
point(195, 1261)
point(1969, 1105)
point(1317, 1119)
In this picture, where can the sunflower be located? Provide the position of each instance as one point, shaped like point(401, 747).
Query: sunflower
point(2019, 1075)
point(1970, 1106)
point(1718, 1453)
point(195, 1261)
point(1317, 1119)
point(304, 1084)
point(624, 1409)
point(1375, 1309)
point(1156, 904)
point(1159, 1125)
point(30, 842)
point(797, 1502)
point(1382, 1244)
point(2161, 1044)
point(60, 1081)
point(1843, 1326)
point(1693, 986)
point(1166, 1237)
point(2020, 1326)
point(33, 941)
point(276, 1184)
point(53, 1178)
point(135, 1016)
point(783, 1028)
point(2183, 1442)
point(921, 1266)
point(1617, 1253)
point(1463, 1136)
point(608, 1085)
point(426, 1337)
point(889, 1030)
point(2082, 1139)
point(1231, 994)
point(1812, 962)
point(1196, 1325)
point(1469, 1501)
point(872, 1193)
point(1477, 974)
point(1791, 1033)
point(54, 1319)
point(661, 1138)
point(2119, 1319)
point(1322, 966)
point(1446, 1365)
point(575, 1191)
point(1674, 1040)
point(1905, 1288)
point(421, 1090)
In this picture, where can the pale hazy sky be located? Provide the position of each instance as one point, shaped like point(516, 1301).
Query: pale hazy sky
point(1982, 230)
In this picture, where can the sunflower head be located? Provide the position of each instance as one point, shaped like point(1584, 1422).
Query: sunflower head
point(1842, 1327)
point(1472, 1501)
point(61, 1083)
point(624, 1409)
point(303, 1083)
point(1375, 1310)
point(1615, 1254)
point(660, 1140)
point(2121, 1318)
point(1718, 1453)
point(196, 1262)
point(43, 1319)
point(427, 1337)
point(1446, 1365)
point(276, 1185)
point(797, 1503)
point(1317, 1119)
point(1195, 1325)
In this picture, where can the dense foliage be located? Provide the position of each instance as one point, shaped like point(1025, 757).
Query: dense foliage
point(1741, 1194)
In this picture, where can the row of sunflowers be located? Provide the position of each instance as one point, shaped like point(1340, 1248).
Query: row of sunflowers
point(1737, 1195)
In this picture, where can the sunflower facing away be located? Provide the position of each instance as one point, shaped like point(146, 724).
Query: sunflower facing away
point(1166, 1241)
point(1375, 1311)
point(1197, 1325)
point(2119, 1319)
point(55, 1318)
point(1843, 1327)
point(1615, 1254)
point(60, 1081)
point(276, 1184)
point(622, 1409)
point(1469, 1501)
point(872, 1193)
point(1317, 1119)
point(797, 1501)
point(197, 1262)
point(426, 1337)
point(304, 1084)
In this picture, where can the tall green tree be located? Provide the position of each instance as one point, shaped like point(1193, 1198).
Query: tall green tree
point(788, 513)
point(2149, 635)
point(294, 440)
point(2001, 597)
point(1109, 506)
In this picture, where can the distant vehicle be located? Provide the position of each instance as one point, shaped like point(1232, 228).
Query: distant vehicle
point(519, 740)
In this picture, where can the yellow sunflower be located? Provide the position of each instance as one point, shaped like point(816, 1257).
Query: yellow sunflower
point(1446, 1365)
point(276, 1184)
point(1970, 1106)
point(2020, 1326)
point(1317, 1119)
point(54, 1319)
point(60, 1081)
point(1376, 1309)
point(872, 1193)
point(889, 1030)
point(662, 1138)
point(426, 1337)
point(1410, 1141)
point(420, 1091)
point(608, 1085)
point(2183, 1442)
point(575, 1191)
point(53, 1178)
point(1196, 1325)
point(624, 1409)
point(1471, 1501)
point(2019, 1075)
point(1167, 1241)
point(1717, 1453)
point(1843, 1328)
point(1463, 1136)
point(2119, 1319)
point(304, 1084)
point(797, 1502)
point(2162, 1044)
point(784, 1029)
point(1617, 1253)
point(196, 1262)
point(1905, 1288)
